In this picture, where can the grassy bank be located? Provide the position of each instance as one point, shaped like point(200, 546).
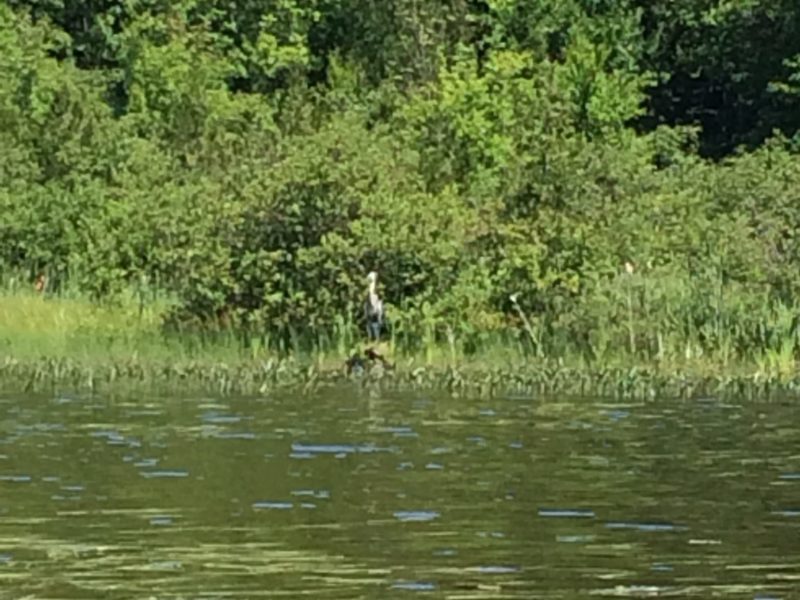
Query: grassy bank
point(69, 343)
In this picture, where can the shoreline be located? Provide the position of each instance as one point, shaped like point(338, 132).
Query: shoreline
point(262, 377)
point(74, 345)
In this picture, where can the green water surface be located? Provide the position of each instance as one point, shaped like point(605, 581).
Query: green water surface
point(351, 495)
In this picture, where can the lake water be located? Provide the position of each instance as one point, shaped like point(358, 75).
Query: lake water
point(352, 495)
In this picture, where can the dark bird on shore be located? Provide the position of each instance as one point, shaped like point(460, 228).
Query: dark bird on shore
point(358, 363)
point(373, 308)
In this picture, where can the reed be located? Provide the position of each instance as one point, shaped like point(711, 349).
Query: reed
point(67, 342)
point(542, 379)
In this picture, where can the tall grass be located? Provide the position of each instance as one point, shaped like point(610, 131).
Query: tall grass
point(660, 323)
point(69, 326)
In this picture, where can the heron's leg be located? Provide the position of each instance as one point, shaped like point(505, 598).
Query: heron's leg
point(374, 330)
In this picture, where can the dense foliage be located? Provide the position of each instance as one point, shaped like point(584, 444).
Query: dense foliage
point(498, 162)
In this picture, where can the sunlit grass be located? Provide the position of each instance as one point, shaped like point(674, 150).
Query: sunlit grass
point(72, 340)
point(33, 326)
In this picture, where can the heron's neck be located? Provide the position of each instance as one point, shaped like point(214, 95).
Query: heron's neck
point(371, 288)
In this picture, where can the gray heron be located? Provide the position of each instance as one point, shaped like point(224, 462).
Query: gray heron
point(373, 308)
point(360, 363)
